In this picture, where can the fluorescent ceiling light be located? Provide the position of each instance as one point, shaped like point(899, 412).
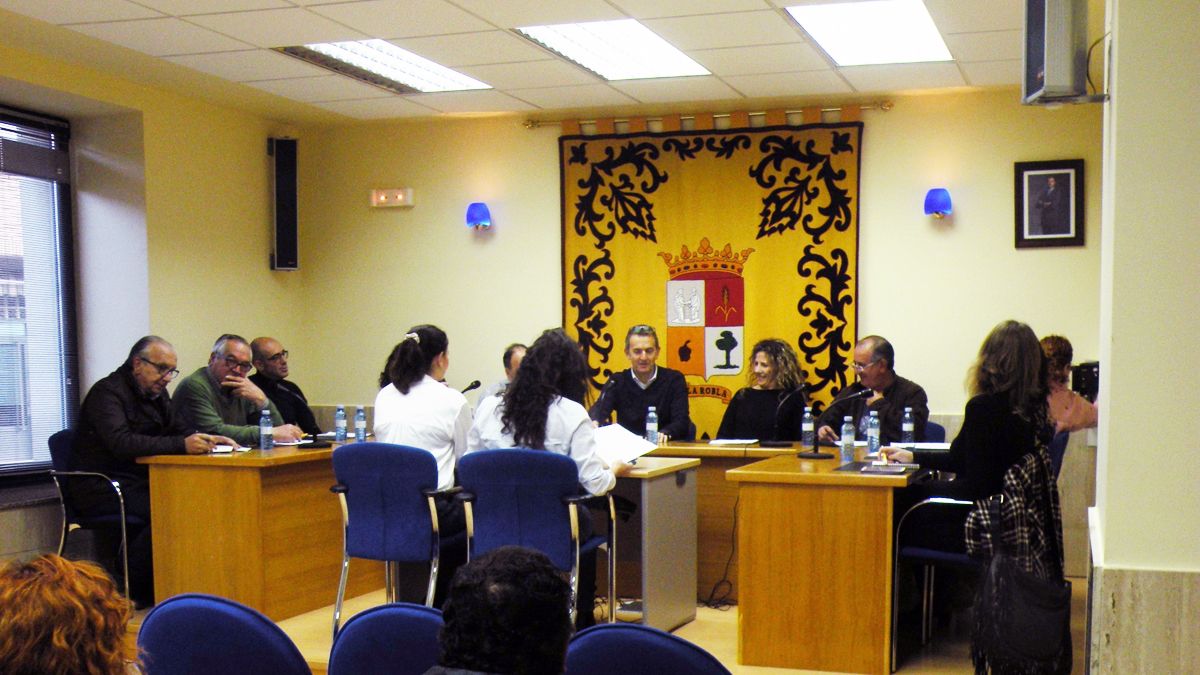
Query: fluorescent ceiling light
point(615, 50)
point(867, 33)
point(383, 64)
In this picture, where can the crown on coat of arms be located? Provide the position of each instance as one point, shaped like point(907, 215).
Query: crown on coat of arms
point(705, 259)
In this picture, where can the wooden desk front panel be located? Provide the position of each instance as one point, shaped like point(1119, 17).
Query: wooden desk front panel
point(815, 577)
point(269, 537)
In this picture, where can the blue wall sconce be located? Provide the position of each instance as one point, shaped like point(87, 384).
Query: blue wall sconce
point(478, 216)
point(937, 203)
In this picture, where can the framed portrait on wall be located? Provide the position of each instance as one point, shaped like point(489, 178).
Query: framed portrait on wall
point(1049, 203)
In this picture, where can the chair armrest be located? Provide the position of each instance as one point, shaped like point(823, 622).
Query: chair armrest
point(338, 489)
point(453, 490)
point(115, 483)
point(464, 496)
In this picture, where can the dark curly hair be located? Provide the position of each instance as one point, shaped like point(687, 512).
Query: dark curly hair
point(553, 366)
point(789, 375)
point(60, 616)
point(507, 612)
point(411, 359)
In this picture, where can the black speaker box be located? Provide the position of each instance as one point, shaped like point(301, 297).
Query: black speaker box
point(285, 247)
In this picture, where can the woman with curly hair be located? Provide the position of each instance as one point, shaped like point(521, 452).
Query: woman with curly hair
point(59, 617)
point(1068, 411)
point(772, 406)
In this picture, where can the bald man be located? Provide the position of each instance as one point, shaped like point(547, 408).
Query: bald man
point(270, 374)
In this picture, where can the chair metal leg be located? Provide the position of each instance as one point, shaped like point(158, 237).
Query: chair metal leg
point(124, 538)
point(573, 514)
point(337, 607)
point(612, 561)
point(435, 555)
point(927, 626)
point(895, 602)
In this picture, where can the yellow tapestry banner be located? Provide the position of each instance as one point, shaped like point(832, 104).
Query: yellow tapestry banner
point(718, 239)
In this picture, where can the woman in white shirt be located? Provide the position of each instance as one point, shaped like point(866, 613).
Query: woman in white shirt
point(419, 410)
point(543, 409)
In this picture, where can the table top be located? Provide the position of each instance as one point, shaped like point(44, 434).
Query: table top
point(704, 449)
point(793, 470)
point(277, 456)
point(653, 467)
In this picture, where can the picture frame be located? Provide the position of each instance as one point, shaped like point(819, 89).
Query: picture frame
point(1049, 203)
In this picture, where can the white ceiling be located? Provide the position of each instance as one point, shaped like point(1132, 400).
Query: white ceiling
point(756, 53)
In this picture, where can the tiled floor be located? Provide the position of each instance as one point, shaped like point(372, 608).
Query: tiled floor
point(715, 631)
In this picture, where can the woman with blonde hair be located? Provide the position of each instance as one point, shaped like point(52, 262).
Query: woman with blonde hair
point(59, 617)
point(772, 406)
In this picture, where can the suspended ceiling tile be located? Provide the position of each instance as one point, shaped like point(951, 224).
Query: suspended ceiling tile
point(674, 89)
point(993, 73)
point(584, 96)
point(246, 66)
point(651, 9)
point(903, 76)
point(79, 12)
point(485, 101)
point(376, 108)
point(191, 7)
point(401, 18)
point(161, 37)
point(533, 74)
point(518, 13)
point(278, 27)
point(321, 88)
point(789, 84)
point(973, 16)
point(736, 29)
point(760, 59)
point(993, 46)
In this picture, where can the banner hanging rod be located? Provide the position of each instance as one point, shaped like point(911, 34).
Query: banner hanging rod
point(879, 105)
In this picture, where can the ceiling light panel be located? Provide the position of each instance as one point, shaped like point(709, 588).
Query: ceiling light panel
point(383, 64)
point(873, 33)
point(615, 50)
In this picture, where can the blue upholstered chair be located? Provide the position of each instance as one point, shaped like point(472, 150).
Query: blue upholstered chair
point(195, 634)
point(633, 649)
point(929, 555)
point(531, 498)
point(934, 432)
point(1057, 450)
point(64, 469)
point(388, 511)
point(399, 639)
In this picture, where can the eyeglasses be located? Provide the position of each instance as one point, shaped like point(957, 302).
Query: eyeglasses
point(163, 369)
point(233, 363)
point(859, 367)
point(281, 356)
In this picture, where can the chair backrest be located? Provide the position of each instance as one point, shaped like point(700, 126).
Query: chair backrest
point(934, 432)
point(519, 500)
point(388, 514)
point(400, 639)
point(633, 649)
point(1057, 449)
point(205, 634)
point(60, 450)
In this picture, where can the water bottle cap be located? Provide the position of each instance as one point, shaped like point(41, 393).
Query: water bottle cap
point(847, 418)
point(874, 413)
point(653, 408)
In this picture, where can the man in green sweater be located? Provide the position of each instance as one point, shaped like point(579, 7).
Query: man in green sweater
point(220, 399)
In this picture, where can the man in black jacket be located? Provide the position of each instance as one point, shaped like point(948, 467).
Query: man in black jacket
point(128, 415)
point(878, 388)
point(270, 374)
point(631, 392)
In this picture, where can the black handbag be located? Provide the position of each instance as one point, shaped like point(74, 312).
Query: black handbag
point(1022, 622)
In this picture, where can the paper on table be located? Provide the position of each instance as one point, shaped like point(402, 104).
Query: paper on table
point(615, 443)
point(733, 441)
point(299, 442)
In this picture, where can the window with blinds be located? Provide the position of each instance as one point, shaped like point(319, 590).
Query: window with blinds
point(38, 364)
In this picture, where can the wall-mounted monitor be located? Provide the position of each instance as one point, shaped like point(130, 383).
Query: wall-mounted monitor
point(1055, 50)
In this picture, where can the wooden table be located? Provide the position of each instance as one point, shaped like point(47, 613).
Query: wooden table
point(656, 548)
point(815, 573)
point(258, 527)
point(716, 499)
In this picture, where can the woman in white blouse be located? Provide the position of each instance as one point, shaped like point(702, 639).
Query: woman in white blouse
point(543, 409)
point(419, 410)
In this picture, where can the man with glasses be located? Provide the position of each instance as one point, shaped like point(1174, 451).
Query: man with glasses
point(270, 375)
point(220, 399)
point(878, 388)
point(127, 415)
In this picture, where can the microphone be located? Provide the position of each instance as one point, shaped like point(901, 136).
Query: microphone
point(474, 385)
point(859, 394)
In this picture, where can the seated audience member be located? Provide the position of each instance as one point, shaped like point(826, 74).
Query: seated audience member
point(127, 415)
point(270, 374)
point(512, 361)
point(772, 407)
point(1068, 411)
point(1005, 418)
point(506, 614)
point(878, 388)
point(417, 409)
point(631, 392)
point(542, 409)
point(59, 616)
point(220, 399)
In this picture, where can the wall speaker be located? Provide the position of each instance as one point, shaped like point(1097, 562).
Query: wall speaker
point(285, 251)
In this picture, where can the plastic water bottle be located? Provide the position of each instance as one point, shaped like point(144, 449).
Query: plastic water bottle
point(339, 424)
point(847, 439)
point(873, 433)
point(652, 425)
point(266, 430)
point(360, 425)
point(907, 438)
point(808, 437)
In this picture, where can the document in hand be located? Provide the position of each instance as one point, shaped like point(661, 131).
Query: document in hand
point(615, 443)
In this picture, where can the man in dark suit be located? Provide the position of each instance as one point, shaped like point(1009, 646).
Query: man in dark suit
point(270, 374)
point(1052, 206)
